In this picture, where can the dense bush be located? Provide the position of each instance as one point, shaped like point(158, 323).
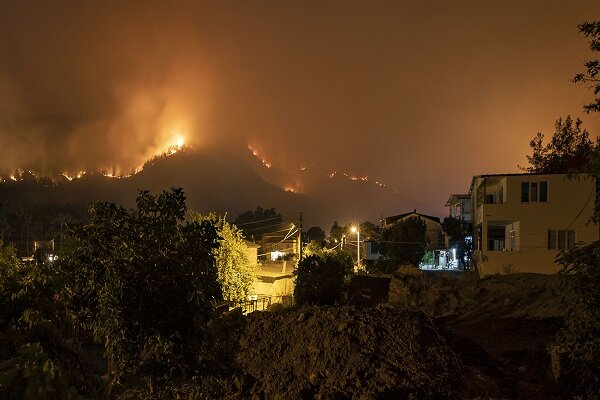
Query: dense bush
point(579, 341)
point(321, 278)
point(145, 282)
point(405, 242)
point(38, 361)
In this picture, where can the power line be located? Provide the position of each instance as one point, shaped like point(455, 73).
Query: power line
point(256, 222)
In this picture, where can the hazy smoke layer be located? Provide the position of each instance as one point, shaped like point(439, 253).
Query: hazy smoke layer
point(402, 91)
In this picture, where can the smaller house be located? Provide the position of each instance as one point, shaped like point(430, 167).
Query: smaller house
point(252, 251)
point(459, 206)
point(370, 250)
point(274, 284)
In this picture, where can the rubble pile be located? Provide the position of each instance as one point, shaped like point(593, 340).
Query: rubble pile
point(345, 352)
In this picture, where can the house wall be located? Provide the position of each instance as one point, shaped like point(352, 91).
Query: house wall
point(433, 234)
point(570, 205)
point(280, 286)
point(461, 209)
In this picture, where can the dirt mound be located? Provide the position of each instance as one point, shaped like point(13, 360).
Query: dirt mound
point(345, 352)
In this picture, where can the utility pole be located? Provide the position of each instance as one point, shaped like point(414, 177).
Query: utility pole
point(300, 237)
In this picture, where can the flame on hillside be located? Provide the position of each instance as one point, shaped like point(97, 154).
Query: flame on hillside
point(262, 160)
point(175, 146)
point(331, 175)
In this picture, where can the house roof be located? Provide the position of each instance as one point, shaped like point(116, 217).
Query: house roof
point(394, 218)
point(520, 174)
point(453, 197)
point(251, 244)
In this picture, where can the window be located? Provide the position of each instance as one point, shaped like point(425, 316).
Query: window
point(534, 192)
point(543, 191)
point(561, 239)
point(524, 192)
point(496, 237)
point(551, 239)
point(374, 247)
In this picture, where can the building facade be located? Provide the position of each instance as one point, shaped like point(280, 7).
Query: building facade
point(459, 207)
point(522, 221)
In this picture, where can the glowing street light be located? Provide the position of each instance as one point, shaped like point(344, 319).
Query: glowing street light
point(356, 230)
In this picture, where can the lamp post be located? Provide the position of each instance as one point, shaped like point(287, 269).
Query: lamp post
point(356, 230)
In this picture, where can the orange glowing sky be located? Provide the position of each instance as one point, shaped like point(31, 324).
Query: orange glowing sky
point(417, 96)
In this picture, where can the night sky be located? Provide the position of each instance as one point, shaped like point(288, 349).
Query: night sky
point(420, 95)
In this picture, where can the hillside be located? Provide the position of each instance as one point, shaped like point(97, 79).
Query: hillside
point(218, 182)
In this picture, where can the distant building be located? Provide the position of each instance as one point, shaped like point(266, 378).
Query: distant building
point(522, 221)
point(280, 243)
point(459, 206)
point(435, 238)
point(252, 251)
point(370, 249)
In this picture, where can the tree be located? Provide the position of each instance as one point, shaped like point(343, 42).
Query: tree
point(579, 340)
point(336, 232)
point(145, 281)
point(321, 278)
point(236, 272)
point(570, 149)
point(405, 242)
point(317, 234)
point(458, 230)
point(369, 230)
point(256, 223)
point(591, 77)
point(37, 360)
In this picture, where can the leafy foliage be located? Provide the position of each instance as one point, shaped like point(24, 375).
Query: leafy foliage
point(144, 282)
point(336, 232)
point(36, 376)
point(42, 363)
point(316, 234)
point(591, 77)
point(236, 272)
point(321, 278)
point(405, 242)
point(580, 338)
point(569, 150)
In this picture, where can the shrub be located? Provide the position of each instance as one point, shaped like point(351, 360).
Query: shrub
point(321, 278)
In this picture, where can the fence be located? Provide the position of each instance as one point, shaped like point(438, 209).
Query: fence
point(264, 303)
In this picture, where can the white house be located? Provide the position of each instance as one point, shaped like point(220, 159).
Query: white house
point(522, 221)
point(459, 206)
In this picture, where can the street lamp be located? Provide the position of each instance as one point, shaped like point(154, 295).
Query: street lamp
point(356, 230)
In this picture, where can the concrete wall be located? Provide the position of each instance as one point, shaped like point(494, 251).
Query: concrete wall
point(281, 286)
point(570, 205)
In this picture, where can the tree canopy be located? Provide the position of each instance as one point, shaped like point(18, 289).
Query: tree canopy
point(317, 234)
point(591, 76)
point(134, 274)
point(236, 272)
point(321, 277)
point(569, 150)
point(405, 241)
point(336, 232)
